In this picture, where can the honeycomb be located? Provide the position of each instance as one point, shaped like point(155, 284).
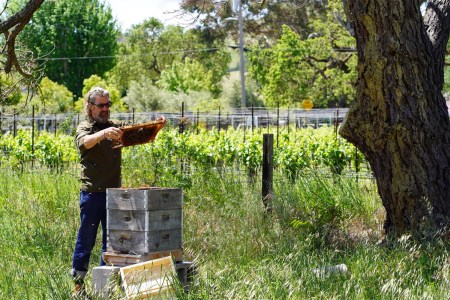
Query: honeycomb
point(140, 133)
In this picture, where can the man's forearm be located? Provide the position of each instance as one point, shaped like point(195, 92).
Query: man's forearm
point(93, 139)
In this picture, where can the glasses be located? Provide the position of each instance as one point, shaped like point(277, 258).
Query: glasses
point(107, 104)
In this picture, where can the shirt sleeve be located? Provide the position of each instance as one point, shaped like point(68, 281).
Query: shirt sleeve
point(83, 129)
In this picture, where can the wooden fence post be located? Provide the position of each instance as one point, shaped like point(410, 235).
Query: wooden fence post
point(32, 137)
point(245, 124)
point(14, 123)
point(278, 122)
point(288, 120)
point(182, 121)
point(253, 116)
point(55, 123)
point(218, 121)
point(267, 172)
point(197, 121)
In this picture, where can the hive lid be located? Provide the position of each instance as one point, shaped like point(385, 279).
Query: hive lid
point(140, 133)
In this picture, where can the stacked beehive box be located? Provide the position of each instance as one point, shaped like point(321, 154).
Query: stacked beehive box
point(144, 224)
point(142, 221)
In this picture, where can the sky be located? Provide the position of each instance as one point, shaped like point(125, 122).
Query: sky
point(130, 12)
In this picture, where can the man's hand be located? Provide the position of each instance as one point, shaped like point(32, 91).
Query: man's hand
point(161, 118)
point(112, 133)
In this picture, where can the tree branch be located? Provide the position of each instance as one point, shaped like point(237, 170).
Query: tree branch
point(24, 15)
point(331, 63)
point(437, 24)
point(10, 28)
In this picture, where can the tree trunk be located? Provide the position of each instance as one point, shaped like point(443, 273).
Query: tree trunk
point(400, 119)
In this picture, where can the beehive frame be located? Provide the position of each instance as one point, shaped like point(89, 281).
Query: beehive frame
point(140, 133)
point(147, 279)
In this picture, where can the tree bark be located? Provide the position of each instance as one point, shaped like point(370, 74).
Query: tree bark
point(400, 119)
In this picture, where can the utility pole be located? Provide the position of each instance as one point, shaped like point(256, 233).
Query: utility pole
point(241, 52)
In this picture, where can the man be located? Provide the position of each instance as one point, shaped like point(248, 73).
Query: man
point(100, 169)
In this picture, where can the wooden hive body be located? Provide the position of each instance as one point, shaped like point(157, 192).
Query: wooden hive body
point(144, 220)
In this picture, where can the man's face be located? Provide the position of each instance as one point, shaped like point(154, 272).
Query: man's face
point(100, 109)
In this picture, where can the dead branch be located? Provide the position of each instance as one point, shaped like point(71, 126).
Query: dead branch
point(10, 28)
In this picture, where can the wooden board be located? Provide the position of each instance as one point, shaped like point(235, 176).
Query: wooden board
point(133, 220)
point(120, 260)
point(127, 199)
point(152, 198)
point(148, 279)
point(143, 220)
point(143, 242)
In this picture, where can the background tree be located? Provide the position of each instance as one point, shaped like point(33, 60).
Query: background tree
point(187, 76)
point(9, 90)
point(149, 48)
point(400, 120)
point(262, 19)
point(52, 98)
point(297, 48)
point(316, 68)
point(76, 38)
point(144, 95)
point(114, 94)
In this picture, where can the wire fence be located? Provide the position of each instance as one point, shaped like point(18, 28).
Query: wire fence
point(247, 119)
point(253, 118)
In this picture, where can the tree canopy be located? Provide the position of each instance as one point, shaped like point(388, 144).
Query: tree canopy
point(149, 48)
point(294, 70)
point(74, 38)
point(296, 50)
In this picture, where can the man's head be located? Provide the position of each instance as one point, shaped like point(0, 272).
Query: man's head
point(97, 105)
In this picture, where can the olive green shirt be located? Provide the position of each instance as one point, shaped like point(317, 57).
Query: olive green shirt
point(101, 164)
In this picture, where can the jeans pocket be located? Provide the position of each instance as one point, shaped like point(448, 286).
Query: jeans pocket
point(84, 198)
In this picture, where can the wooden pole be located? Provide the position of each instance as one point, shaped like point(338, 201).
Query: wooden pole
point(253, 116)
point(356, 163)
point(267, 172)
point(55, 123)
point(288, 120)
point(181, 126)
point(245, 125)
point(32, 136)
point(197, 121)
point(278, 122)
point(14, 123)
point(336, 123)
point(218, 121)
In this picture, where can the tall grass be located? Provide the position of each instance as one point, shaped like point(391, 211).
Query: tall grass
point(241, 252)
point(38, 212)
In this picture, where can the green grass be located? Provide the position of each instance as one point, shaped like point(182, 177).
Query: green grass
point(241, 252)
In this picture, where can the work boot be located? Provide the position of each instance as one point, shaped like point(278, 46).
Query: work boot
point(79, 292)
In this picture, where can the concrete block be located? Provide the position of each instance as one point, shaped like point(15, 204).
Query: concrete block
point(105, 280)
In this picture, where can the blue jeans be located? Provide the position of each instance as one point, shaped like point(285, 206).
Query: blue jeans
point(92, 213)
